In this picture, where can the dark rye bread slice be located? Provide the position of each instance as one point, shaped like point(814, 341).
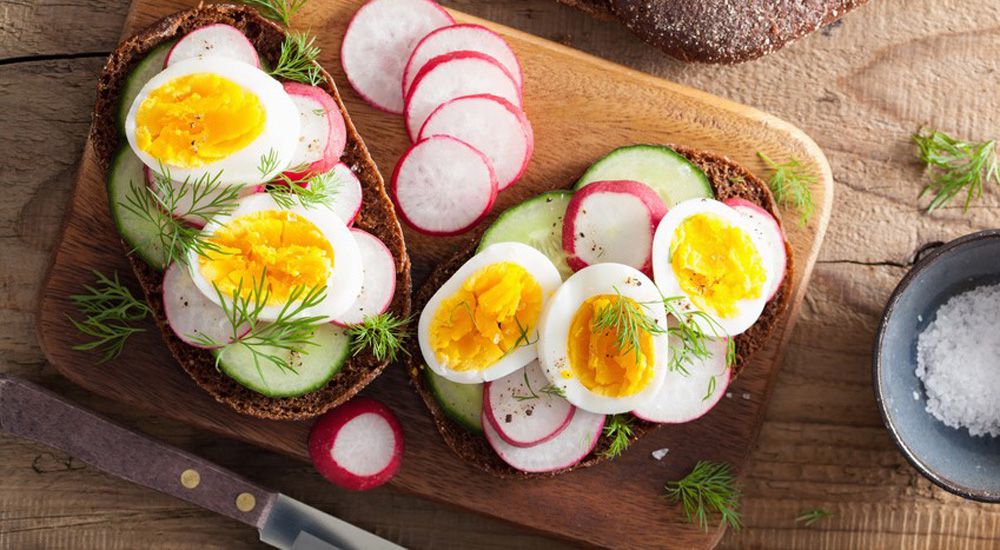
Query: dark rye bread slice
point(729, 180)
point(719, 31)
point(377, 215)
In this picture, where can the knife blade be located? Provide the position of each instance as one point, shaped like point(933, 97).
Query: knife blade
point(29, 411)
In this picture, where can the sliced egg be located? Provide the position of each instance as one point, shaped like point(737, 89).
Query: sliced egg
point(293, 250)
point(214, 117)
point(482, 323)
point(597, 365)
point(709, 254)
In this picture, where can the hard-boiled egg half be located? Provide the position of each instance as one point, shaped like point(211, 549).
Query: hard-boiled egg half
point(709, 254)
point(216, 117)
point(481, 324)
point(292, 250)
point(603, 340)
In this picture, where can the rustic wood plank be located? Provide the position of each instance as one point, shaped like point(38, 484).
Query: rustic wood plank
point(859, 89)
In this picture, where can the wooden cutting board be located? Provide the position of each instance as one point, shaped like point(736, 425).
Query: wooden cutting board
point(581, 107)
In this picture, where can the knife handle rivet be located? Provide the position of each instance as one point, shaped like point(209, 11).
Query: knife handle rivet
point(190, 479)
point(245, 502)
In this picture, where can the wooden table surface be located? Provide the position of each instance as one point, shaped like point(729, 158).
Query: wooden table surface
point(859, 88)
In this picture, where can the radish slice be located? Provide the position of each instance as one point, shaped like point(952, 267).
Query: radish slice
point(378, 43)
point(562, 451)
point(612, 221)
point(379, 284)
point(764, 222)
point(454, 75)
point(521, 413)
point(456, 38)
point(495, 126)
point(322, 136)
point(347, 202)
point(357, 446)
point(683, 398)
point(190, 313)
point(186, 198)
point(443, 186)
point(219, 39)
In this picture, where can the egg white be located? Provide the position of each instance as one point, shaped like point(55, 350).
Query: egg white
point(747, 311)
point(280, 133)
point(553, 334)
point(343, 285)
point(535, 263)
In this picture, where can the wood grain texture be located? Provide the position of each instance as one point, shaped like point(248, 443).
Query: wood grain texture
point(859, 89)
point(562, 88)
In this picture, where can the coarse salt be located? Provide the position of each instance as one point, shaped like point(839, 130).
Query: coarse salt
point(958, 360)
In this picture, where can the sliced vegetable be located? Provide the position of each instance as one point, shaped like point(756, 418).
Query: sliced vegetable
point(219, 39)
point(358, 446)
point(379, 284)
point(348, 197)
point(686, 396)
point(462, 402)
point(568, 448)
point(670, 174)
point(524, 408)
point(141, 234)
point(145, 69)
point(184, 205)
point(322, 136)
point(768, 227)
point(458, 38)
point(536, 222)
point(190, 313)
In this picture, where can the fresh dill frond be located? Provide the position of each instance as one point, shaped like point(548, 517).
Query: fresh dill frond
point(315, 190)
point(552, 389)
point(629, 321)
point(297, 60)
point(690, 332)
point(618, 430)
point(268, 163)
point(709, 489)
point(548, 389)
point(281, 11)
point(809, 517)
point(792, 183)
point(955, 166)
point(712, 384)
point(110, 309)
point(383, 335)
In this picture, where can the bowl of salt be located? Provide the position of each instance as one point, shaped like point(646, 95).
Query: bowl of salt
point(936, 366)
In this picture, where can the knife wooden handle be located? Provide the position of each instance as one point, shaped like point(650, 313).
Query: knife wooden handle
point(29, 411)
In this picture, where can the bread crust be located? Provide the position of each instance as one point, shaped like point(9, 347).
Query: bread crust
point(729, 180)
point(377, 216)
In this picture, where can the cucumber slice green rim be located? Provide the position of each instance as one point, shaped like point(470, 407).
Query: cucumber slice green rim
point(536, 222)
point(312, 370)
point(674, 177)
point(146, 69)
point(463, 403)
point(142, 235)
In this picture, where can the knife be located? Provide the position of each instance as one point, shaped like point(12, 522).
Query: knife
point(28, 411)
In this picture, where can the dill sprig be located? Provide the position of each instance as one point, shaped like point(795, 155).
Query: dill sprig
point(548, 389)
point(791, 183)
point(204, 197)
point(709, 489)
point(691, 333)
point(809, 517)
point(297, 60)
point(268, 163)
point(383, 335)
point(629, 321)
point(955, 166)
point(109, 309)
point(617, 429)
point(277, 10)
point(314, 190)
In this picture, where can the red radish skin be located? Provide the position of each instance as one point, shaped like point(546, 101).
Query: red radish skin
point(218, 39)
point(682, 397)
point(612, 221)
point(525, 422)
point(455, 75)
point(495, 126)
point(324, 134)
point(190, 313)
point(378, 43)
point(358, 445)
point(572, 445)
point(379, 270)
point(772, 232)
point(458, 38)
point(443, 186)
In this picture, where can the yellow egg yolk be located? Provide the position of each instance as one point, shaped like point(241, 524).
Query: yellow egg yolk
point(596, 359)
point(292, 250)
point(494, 312)
point(197, 119)
point(716, 264)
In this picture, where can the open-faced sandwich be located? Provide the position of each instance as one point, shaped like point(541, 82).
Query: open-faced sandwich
point(582, 318)
point(254, 217)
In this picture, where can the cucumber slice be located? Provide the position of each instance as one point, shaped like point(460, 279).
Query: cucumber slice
point(312, 370)
point(536, 222)
point(141, 234)
point(146, 69)
point(462, 402)
point(666, 171)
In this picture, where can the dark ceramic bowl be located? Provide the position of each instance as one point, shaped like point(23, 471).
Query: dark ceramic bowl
point(965, 465)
